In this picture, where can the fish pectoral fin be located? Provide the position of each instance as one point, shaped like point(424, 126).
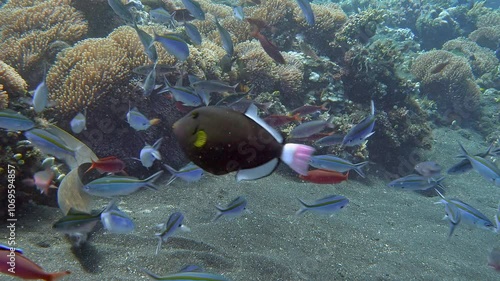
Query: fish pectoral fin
point(257, 172)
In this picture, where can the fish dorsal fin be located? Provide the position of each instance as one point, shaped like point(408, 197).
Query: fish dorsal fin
point(252, 114)
point(257, 172)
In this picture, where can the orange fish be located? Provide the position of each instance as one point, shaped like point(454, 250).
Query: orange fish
point(269, 48)
point(109, 164)
point(324, 176)
point(15, 264)
point(280, 120)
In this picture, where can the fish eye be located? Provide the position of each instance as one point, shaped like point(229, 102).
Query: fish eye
point(195, 130)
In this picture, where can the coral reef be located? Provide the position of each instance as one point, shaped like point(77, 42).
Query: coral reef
point(359, 28)
point(30, 27)
point(486, 36)
point(12, 82)
point(435, 27)
point(448, 79)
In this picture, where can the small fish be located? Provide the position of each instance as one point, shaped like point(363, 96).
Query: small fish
point(116, 221)
point(191, 268)
point(251, 147)
point(138, 121)
point(184, 95)
point(233, 209)
point(238, 12)
point(483, 166)
point(308, 109)
point(204, 87)
point(188, 276)
point(173, 224)
point(281, 120)
point(324, 176)
point(416, 182)
point(149, 83)
point(79, 122)
point(160, 15)
point(467, 214)
point(330, 140)
point(428, 169)
point(309, 128)
point(121, 10)
point(270, 49)
point(334, 163)
point(194, 9)
point(188, 173)
point(110, 164)
point(327, 205)
point(23, 267)
point(147, 42)
point(305, 6)
point(150, 153)
point(40, 97)
point(465, 165)
point(225, 37)
point(494, 259)
point(359, 133)
point(182, 15)
point(111, 186)
point(42, 180)
point(13, 121)
point(174, 45)
point(193, 33)
point(49, 143)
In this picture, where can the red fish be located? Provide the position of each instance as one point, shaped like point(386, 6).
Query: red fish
point(109, 164)
point(324, 176)
point(269, 47)
point(280, 120)
point(15, 264)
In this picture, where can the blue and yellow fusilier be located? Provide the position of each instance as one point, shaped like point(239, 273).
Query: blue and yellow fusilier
point(174, 45)
point(233, 209)
point(326, 205)
point(110, 186)
point(168, 229)
point(359, 133)
point(188, 173)
point(49, 143)
point(14, 121)
point(188, 276)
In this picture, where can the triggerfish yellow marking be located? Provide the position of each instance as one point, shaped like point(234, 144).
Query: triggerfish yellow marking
point(221, 140)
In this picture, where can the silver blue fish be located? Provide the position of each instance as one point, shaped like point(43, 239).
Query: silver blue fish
point(78, 123)
point(116, 221)
point(147, 42)
point(233, 209)
point(465, 165)
point(308, 129)
point(160, 15)
point(13, 121)
point(121, 10)
point(150, 82)
point(483, 166)
point(334, 163)
point(190, 268)
point(326, 205)
point(40, 97)
point(359, 133)
point(188, 173)
point(110, 186)
point(305, 6)
point(184, 95)
point(416, 182)
point(330, 140)
point(187, 276)
point(173, 224)
point(49, 143)
point(467, 214)
point(150, 153)
point(174, 45)
point(77, 222)
point(225, 37)
point(238, 12)
point(193, 33)
point(204, 87)
point(138, 121)
point(194, 9)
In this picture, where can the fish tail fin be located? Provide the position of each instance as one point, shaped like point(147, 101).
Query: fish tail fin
point(219, 213)
point(372, 107)
point(297, 157)
point(154, 121)
point(302, 209)
point(160, 241)
point(152, 178)
point(465, 153)
point(57, 275)
point(170, 169)
point(151, 274)
point(358, 166)
point(91, 167)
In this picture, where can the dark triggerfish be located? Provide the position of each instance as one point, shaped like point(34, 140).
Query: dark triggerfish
point(221, 140)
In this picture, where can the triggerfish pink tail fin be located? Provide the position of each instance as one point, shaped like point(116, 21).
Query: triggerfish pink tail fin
point(56, 275)
point(297, 157)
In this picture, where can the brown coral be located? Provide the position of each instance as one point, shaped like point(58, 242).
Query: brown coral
point(447, 79)
point(486, 36)
point(4, 98)
point(11, 80)
point(29, 27)
point(482, 60)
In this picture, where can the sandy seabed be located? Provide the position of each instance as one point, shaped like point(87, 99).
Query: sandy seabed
point(383, 234)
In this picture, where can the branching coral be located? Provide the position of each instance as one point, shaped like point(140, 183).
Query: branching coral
point(29, 27)
point(447, 79)
point(256, 67)
point(11, 80)
point(482, 60)
point(291, 75)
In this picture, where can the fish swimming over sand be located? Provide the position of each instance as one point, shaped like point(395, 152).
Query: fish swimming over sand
point(221, 140)
point(111, 186)
point(233, 209)
point(327, 205)
point(173, 224)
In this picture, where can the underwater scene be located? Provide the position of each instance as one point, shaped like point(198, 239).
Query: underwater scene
point(249, 140)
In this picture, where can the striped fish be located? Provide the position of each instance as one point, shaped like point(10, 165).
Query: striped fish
point(188, 276)
point(359, 133)
point(483, 166)
point(233, 209)
point(168, 229)
point(334, 163)
point(416, 182)
point(49, 143)
point(13, 121)
point(326, 205)
point(110, 186)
